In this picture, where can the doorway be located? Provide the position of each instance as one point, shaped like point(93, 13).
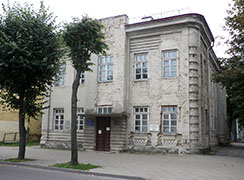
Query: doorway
point(103, 134)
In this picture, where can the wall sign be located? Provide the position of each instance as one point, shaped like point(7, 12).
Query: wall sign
point(89, 122)
point(67, 124)
point(154, 127)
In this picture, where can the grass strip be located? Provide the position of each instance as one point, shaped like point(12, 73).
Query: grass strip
point(18, 160)
point(78, 166)
point(15, 144)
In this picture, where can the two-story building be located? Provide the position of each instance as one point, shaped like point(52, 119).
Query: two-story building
point(151, 92)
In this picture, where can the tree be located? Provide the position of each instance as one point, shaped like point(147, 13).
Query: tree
point(83, 38)
point(29, 61)
point(231, 74)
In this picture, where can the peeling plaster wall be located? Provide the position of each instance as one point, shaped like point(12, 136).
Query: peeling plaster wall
point(201, 118)
point(91, 93)
point(158, 91)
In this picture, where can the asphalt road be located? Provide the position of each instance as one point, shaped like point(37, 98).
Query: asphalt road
point(8, 172)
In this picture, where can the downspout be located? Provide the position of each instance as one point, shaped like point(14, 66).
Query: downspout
point(127, 87)
point(48, 118)
point(208, 56)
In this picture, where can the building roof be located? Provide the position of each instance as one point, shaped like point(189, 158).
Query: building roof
point(172, 18)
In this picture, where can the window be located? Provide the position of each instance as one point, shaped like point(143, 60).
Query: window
point(61, 79)
point(141, 66)
point(80, 119)
point(169, 119)
point(59, 119)
point(82, 78)
point(141, 119)
point(170, 63)
point(105, 64)
point(104, 110)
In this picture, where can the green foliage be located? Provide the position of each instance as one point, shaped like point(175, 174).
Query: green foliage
point(16, 144)
point(84, 37)
point(18, 160)
point(30, 52)
point(78, 166)
point(231, 74)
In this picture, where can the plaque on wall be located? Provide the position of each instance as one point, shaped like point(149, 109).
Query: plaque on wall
point(89, 122)
point(67, 124)
point(154, 127)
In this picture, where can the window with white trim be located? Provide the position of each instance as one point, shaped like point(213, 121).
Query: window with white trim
point(80, 118)
point(141, 117)
point(170, 63)
point(59, 119)
point(61, 78)
point(141, 66)
point(104, 110)
point(169, 114)
point(82, 78)
point(105, 68)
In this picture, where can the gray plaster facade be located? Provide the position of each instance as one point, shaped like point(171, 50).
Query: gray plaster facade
point(156, 91)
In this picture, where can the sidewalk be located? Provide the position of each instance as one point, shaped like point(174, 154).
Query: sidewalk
point(153, 166)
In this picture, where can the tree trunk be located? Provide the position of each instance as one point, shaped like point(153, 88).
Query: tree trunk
point(74, 153)
point(22, 130)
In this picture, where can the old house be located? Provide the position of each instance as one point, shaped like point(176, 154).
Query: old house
point(151, 92)
point(9, 126)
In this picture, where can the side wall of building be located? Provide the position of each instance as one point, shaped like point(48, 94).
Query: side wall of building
point(9, 126)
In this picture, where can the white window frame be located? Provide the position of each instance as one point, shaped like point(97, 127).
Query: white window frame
point(104, 110)
point(105, 68)
point(80, 120)
point(140, 60)
point(170, 56)
point(139, 116)
point(61, 79)
point(58, 118)
point(82, 78)
point(170, 114)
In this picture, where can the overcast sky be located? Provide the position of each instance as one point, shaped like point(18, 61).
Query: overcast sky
point(213, 10)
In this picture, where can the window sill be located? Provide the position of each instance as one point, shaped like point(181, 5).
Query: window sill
point(80, 131)
point(140, 80)
point(170, 77)
point(60, 130)
point(141, 133)
point(101, 82)
point(170, 134)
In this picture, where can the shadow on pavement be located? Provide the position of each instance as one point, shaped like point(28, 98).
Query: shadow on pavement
point(235, 149)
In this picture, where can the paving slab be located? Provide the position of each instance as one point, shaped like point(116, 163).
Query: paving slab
point(146, 166)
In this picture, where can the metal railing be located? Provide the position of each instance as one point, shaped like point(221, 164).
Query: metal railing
point(12, 133)
point(159, 15)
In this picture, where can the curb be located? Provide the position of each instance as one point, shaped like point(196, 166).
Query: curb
point(72, 171)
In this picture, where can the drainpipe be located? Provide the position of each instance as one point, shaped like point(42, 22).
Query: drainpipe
point(48, 118)
point(208, 56)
